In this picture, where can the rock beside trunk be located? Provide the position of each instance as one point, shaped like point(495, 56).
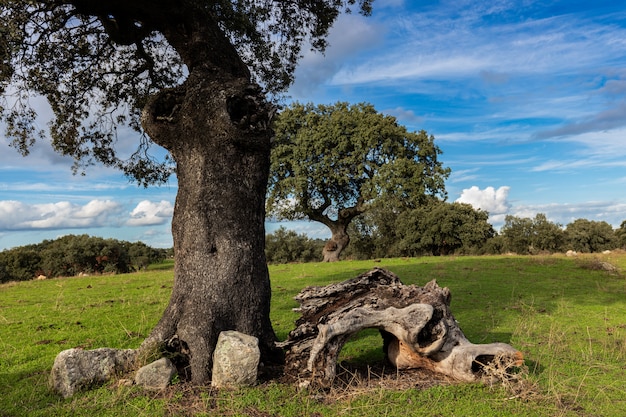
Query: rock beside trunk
point(156, 375)
point(77, 369)
point(235, 360)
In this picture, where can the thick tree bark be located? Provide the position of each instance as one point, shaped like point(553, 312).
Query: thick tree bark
point(338, 242)
point(418, 330)
point(218, 134)
point(217, 128)
point(216, 125)
point(339, 228)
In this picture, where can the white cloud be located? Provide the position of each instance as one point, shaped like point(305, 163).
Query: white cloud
point(16, 215)
point(612, 212)
point(56, 187)
point(405, 116)
point(350, 35)
point(588, 150)
point(148, 213)
point(463, 175)
point(490, 200)
point(454, 41)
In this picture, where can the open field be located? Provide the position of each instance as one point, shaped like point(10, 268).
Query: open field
point(568, 316)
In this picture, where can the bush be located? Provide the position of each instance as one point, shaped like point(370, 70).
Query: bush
point(285, 246)
point(72, 255)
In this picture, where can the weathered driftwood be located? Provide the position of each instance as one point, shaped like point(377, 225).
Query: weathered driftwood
point(416, 325)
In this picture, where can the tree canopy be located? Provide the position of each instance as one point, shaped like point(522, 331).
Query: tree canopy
point(441, 228)
point(590, 235)
point(529, 236)
point(331, 163)
point(97, 63)
point(620, 234)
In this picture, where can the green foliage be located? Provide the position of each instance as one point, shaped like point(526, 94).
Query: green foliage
point(370, 237)
point(331, 159)
point(525, 235)
point(620, 234)
point(567, 320)
point(97, 63)
point(331, 164)
point(435, 228)
point(72, 255)
point(285, 246)
point(518, 234)
point(494, 246)
point(590, 236)
point(19, 265)
point(442, 228)
point(548, 236)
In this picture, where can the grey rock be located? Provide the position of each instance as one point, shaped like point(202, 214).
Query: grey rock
point(76, 369)
point(235, 360)
point(156, 375)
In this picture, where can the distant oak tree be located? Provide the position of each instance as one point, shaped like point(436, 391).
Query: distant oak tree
point(441, 228)
point(192, 77)
point(532, 235)
point(591, 236)
point(331, 163)
point(620, 235)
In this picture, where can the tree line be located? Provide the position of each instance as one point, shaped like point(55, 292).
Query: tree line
point(441, 228)
point(436, 229)
point(73, 255)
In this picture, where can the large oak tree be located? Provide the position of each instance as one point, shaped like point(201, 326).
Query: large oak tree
point(331, 163)
point(185, 75)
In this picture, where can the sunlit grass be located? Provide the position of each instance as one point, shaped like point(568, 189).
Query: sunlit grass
point(568, 319)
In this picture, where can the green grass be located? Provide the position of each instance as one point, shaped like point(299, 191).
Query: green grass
point(567, 316)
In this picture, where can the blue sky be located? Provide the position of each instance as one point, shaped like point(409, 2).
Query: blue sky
point(526, 99)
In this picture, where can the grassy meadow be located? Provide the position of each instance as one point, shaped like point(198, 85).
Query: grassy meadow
point(567, 315)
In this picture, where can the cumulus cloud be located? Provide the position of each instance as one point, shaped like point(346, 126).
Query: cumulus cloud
point(16, 215)
point(148, 213)
point(490, 200)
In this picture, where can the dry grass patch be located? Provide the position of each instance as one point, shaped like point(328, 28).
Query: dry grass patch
point(356, 380)
point(597, 264)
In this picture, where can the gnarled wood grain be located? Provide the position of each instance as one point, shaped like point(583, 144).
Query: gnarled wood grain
point(417, 328)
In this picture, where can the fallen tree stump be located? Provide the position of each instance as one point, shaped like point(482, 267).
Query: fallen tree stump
point(416, 325)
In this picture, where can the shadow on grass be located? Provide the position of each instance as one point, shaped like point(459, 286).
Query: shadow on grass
point(31, 391)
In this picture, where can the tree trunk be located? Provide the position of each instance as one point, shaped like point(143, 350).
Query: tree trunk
point(338, 242)
point(217, 130)
point(418, 330)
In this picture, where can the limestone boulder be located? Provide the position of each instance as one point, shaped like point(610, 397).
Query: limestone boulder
point(77, 369)
point(235, 360)
point(156, 375)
